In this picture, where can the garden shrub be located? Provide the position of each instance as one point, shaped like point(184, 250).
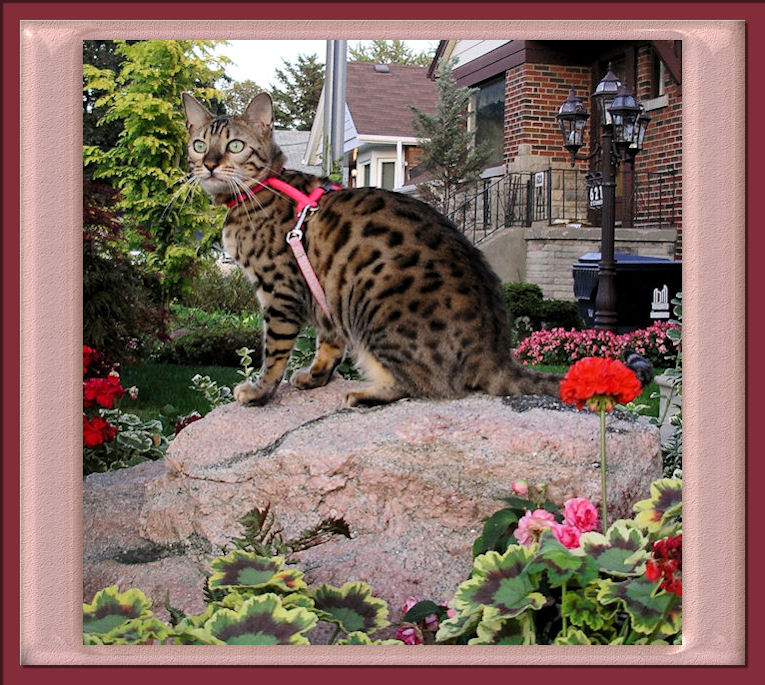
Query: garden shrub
point(212, 290)
point(529, 311)
point(121, 299)
point(215, 345)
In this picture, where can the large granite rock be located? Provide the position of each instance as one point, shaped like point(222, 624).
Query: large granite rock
point(413, 480)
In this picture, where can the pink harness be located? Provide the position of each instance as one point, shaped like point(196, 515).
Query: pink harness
point(304, 204)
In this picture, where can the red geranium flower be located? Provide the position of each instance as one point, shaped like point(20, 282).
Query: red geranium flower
point(667, 564)
point(88, 356)
point(599, 383)
point(96, 431)
point(102, 391)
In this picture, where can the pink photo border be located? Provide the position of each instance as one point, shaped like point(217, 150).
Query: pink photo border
point(47, 513)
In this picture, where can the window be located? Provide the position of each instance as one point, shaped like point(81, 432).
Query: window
point(387, 175)
point(366, 169)
point(489, 108)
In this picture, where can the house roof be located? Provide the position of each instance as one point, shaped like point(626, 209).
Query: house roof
point(379, 101)
point(293, 144)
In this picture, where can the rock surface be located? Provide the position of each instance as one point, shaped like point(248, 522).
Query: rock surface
point(413, 480)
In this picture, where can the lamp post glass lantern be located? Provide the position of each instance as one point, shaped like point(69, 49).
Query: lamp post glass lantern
point(622, 131)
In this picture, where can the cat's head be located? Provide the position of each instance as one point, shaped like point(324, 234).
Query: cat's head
point(230, 153)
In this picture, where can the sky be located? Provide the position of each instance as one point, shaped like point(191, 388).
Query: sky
point(257, 60)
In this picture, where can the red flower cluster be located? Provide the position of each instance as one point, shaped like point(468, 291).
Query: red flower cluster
point(667, 564)
point(599, 383)
point(96, 431)
point(102, 391)
point(180, 424)
point(89, 355)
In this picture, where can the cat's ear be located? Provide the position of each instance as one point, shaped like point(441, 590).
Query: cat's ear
point(260, 112)
point(196, 115)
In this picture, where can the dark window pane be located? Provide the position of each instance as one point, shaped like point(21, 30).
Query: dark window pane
point(490, 117)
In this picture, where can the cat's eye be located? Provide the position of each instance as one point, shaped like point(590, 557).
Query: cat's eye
point(199, 145)
point(236, 146)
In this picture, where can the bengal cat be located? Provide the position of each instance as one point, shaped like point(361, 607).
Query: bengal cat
point(415, 303)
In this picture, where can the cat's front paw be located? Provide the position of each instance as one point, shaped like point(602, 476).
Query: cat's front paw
point(252, 394)
point(304, 379)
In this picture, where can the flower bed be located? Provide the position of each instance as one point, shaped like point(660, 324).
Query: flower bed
point(562, 347)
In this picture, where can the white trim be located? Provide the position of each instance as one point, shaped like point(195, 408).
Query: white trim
point(655, 103)
point(390, 140)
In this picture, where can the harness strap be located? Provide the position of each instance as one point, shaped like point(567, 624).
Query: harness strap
point(303, 205)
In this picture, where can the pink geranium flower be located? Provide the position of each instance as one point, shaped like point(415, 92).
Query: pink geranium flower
point(581, 514)
point(531, 526)
point(568, 536)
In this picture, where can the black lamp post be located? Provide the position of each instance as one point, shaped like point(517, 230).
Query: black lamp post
point(623, 127)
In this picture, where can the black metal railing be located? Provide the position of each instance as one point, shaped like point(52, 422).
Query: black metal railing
point(656, 198)
point(556, 196)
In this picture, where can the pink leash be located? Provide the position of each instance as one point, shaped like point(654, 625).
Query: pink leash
point(304, 205)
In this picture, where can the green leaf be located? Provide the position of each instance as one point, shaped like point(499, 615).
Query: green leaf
point(359, 638)
point(621, 552)
point(458, 625)
point(665, 502)
point(135, 441)
point(500, 630)
point(246, 569)
point(647, 611)
point(582, 608)
point(261, 620)
point(111, 608)
point(351, 607)
point(561, 564)
point(572, 637)
point(501, 581)
point(421, 610)
point(496, 532)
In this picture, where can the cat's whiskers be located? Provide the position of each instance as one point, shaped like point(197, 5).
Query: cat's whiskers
point(188, 187)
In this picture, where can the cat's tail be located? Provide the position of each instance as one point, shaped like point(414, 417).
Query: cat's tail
point(515, 379)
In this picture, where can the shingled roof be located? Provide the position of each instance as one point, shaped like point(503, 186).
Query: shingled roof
point(379, 100)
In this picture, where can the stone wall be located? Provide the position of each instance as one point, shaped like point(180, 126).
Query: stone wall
point(549, 252)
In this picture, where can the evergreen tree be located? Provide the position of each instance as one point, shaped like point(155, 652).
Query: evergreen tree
point(388, 52)
point(237, 95)
point(449, 151)
point(296, 100)
point(143, 96)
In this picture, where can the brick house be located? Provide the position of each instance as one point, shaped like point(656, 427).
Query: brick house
point(380, 146)
point(530, 214)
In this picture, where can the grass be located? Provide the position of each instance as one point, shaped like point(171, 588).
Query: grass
point(160, 385)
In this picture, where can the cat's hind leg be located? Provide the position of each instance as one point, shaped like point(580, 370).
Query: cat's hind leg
point(383, 389)
point(329, 353)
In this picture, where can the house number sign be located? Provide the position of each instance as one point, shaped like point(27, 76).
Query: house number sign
point(596, 194)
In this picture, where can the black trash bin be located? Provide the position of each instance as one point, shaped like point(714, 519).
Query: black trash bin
point(644, 288)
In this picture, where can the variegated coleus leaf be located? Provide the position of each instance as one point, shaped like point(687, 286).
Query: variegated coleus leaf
point(351, 607)
point(458, 625)
point(246, 569)
point(662, 507)
point(111, 608)
point(498, 630)
point(635, 596)
point(359, 638)
point(573, 636)
point(136, 631)
point(622, 551)
point(501, 581)
point(261, 620)
point(582, 608)
point(562, 565)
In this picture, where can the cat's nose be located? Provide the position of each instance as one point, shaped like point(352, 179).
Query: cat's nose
point(210, 164)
